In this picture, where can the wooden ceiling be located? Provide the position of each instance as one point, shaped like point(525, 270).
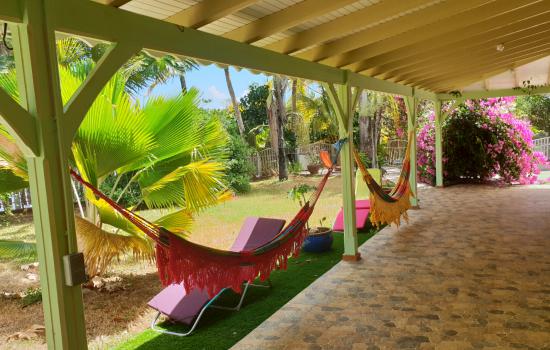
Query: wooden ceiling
point(437, 45)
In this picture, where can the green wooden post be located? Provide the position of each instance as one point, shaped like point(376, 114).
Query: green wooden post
point(438, 145)
point(52, 201)
point(343, 101)
point(411, 103)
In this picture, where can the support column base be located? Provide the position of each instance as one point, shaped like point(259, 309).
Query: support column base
point(351, 258)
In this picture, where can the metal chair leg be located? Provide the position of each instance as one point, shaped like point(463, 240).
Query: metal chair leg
point(241, 300)
point(193, 326)
point(207, 305)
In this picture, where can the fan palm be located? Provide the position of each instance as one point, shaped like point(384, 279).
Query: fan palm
point(176, 159)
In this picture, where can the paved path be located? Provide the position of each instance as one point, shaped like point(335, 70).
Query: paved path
point(470, 271)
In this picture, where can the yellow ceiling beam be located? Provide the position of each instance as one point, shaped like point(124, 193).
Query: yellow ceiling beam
point(506, 35)
point(448, 69)
point(207, 11)
point(480, 72)
point(285, 19)
point(460, 20)
point(113, 3)
point(343, 25)
point(526, 16)
point(479, 69)
point(477, 54)
point(466, 52)
point(11, 10)
point(335, 53)
point(461, 83)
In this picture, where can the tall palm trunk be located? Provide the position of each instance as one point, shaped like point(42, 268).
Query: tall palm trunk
point(279, 92)
point(294, 102)
point(183, 84)
point(238, 116)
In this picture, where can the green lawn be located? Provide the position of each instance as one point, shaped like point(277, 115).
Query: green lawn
point(222, 329)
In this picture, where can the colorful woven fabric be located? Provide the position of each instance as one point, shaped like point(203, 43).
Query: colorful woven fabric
point(388, 208)
point(210, 269)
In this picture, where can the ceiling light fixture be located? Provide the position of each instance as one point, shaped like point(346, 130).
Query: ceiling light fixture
point(500, 47)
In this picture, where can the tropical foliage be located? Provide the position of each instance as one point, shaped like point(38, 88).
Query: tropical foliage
point(174, 159)
point(536, 108)
point(481, 140)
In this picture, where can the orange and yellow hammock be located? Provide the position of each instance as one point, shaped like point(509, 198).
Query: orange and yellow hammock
point(389, 207)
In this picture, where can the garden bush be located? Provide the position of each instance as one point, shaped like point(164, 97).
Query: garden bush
point(481, 139)
point(239, 168)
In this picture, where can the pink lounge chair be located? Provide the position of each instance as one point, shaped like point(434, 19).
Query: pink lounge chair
point(188, 308)
point(362, 210)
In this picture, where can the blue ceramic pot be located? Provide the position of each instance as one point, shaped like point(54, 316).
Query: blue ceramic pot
point(318, 242)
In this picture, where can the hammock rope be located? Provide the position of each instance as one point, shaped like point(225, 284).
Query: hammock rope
point(388, 208)
point(210, 269)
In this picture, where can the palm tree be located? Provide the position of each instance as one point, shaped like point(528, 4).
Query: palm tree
point(235, 102)
point(277, 119)
point(176, 159)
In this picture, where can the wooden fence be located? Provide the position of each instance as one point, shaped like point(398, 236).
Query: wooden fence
point(396, 151)
point(266, 162)
point(17, 201)
point(543, 145)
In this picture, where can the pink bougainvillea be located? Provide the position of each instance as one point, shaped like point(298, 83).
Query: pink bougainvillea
point(505, 144)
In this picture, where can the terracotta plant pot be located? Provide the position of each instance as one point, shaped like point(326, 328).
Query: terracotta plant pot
point(313, 169)
point(318, 240)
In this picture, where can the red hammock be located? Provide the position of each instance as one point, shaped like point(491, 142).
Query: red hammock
point(205, 268)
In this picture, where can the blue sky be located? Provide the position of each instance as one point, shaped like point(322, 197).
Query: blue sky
point(210, 81)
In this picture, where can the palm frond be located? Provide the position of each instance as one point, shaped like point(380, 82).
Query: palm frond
point(178, 222)
point(100, 247)
point(11, 155)
point(8, 82)
point(111, 135)
point(17, 250)
point(194, 186)
point(10, 182)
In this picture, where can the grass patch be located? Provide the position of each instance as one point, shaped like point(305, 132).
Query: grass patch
point(220, 329)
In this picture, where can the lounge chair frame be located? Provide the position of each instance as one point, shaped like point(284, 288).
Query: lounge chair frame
point(154, 323)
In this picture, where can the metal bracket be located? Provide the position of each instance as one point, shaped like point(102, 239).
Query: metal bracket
point(75, 270)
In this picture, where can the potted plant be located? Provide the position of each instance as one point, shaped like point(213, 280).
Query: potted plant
point(319, 239)
point(314, 164)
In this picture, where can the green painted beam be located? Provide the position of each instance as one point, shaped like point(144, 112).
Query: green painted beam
point(49, 181)
point(19, 123)
point(438, 145)
point(153, 34)
point(496, 93)
point(374, 84)
point(424, 94)
point(11, 11)
point(342, 99)
point(77, 107)
point(411, 104)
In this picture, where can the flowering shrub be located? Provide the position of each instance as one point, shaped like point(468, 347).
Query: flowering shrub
point(481, 139)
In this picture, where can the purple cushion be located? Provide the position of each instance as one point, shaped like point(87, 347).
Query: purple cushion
point(362, 204)
point(256, 232)
point(360, 221)
point(174, 302)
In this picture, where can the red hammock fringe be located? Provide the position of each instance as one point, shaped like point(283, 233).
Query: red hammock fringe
point(199, 268)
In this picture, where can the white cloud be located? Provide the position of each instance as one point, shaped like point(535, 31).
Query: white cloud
point(216, 94)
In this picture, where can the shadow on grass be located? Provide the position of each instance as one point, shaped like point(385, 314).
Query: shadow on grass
point(220, 329)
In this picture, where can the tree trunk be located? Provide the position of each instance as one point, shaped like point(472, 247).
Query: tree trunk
point(238, 116)
point(363, 133)
point(279, 89)
point(294, 102)
point(273, 129)
point(183, 84)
